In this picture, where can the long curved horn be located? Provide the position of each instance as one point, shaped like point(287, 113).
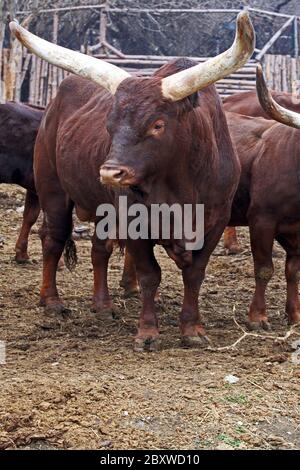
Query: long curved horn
point(99, 71)
point(184, 83)
point(269, 105)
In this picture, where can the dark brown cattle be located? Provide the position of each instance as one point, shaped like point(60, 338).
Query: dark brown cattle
point(157, 141)
point(268, 201)
point(18, 130)
point(247, 103)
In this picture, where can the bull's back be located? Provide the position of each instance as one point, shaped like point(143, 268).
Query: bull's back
point(19, 126)
point(247, 103)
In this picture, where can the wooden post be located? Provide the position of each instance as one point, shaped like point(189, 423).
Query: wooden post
point(103, 28)
point(3, 14)
point(296, 40)
point(52, 70)
point(55, 28)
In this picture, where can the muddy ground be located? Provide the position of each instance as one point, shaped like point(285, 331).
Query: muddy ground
point(76, 383)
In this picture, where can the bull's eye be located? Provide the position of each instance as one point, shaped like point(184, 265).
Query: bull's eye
point(157, 128)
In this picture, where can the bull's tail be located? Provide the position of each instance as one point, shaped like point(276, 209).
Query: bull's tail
point(70, 254)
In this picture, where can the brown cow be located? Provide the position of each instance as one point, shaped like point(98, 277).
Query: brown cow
point(160, 146)
point(247, 103)
point(19, 125)
point(268, 197)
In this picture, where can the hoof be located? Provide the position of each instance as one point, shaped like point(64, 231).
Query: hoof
point(55, 307)
point(131, 292)
point(105, 312)
point(59, 310)
point(294, 321)
point(259, 325)
point(22, 260)
point(234, 250)
point(149, 344)
point(201, 341)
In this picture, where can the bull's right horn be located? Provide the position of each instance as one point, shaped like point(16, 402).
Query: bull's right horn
point(107, 75)
point(269, 105)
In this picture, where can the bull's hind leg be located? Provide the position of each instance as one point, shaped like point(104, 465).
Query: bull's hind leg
point(101, 251)
point(291, 244)
point(262, 233)
point(31, 213)
point(231, 243)
point(129, 279)
point(149, 276)
point(56, 230)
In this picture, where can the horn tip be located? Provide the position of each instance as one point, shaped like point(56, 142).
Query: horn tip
point(260, 79)
point(13, 26)
point(244, 20)
point(244, 14)
point(259, 71)
point(245, 28)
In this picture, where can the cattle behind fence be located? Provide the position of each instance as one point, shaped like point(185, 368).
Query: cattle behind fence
point(37, 81)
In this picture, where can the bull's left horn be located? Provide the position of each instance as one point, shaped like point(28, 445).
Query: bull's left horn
point(107, 75)
point(269, 105)
point(186, 82)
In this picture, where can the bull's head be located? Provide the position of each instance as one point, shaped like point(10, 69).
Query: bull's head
point(146, 112)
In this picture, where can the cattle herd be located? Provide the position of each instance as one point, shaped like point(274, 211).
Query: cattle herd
point(169, 139)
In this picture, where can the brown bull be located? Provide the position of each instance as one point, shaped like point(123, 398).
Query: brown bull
point(19, 125)
point(268, 197)
point(247, 103)
point(155, 139)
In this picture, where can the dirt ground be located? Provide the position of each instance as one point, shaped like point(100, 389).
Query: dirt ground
point(76, 383)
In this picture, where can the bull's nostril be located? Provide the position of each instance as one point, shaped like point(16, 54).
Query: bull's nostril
point(114, 175)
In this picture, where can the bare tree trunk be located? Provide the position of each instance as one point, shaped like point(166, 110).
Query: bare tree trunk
point(10, 81)
point(2, 31)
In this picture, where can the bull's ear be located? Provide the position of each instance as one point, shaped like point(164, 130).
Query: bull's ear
point(187, 104)
point(194, 100)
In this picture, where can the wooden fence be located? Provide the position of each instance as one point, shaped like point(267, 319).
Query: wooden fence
point(37, 81)
point(282, 73)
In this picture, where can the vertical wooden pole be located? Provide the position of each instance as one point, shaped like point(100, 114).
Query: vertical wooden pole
point(103, 28)
point(53, 70)
point(296, 40)
point(55, 28)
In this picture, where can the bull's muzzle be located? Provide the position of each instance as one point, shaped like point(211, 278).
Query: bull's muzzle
point(117, 175)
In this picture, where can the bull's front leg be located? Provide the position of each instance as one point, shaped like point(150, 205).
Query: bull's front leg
point(192, 331)
point(149, 276)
